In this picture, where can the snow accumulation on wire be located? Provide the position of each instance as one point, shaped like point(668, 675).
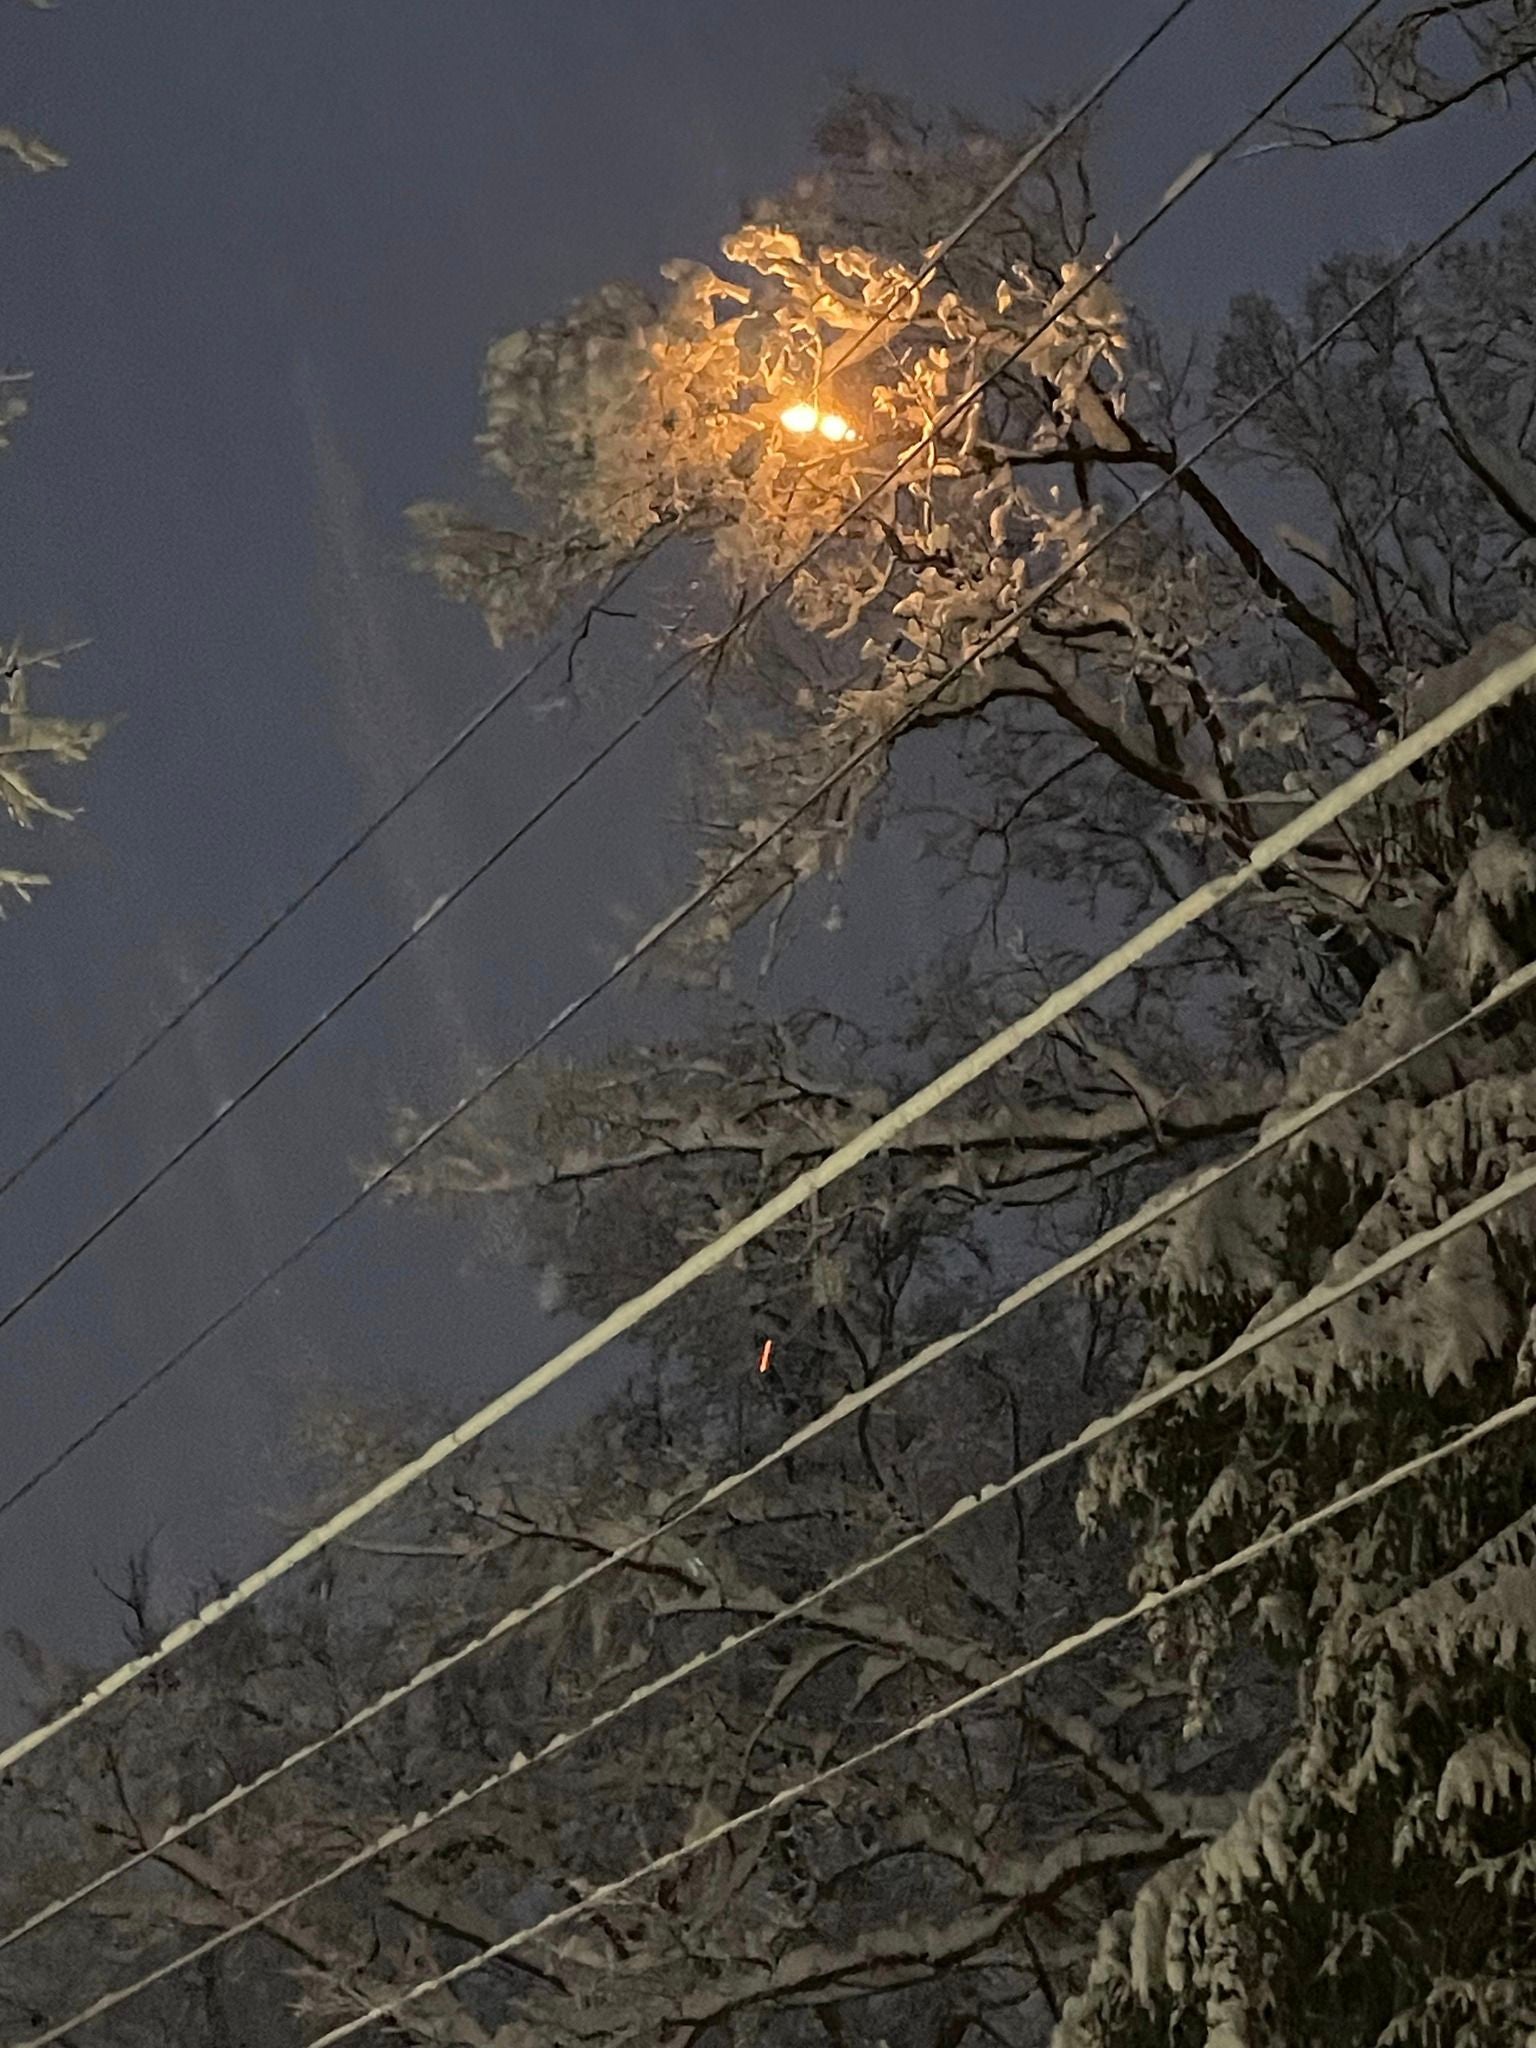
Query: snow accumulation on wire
point(1065, 1646)
point(686, 666)
point(1320, 1300)
point(1088, 283)
point(1279, 1130)
point(1271, 852)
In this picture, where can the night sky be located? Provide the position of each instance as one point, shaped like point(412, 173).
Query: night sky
point(255, 305)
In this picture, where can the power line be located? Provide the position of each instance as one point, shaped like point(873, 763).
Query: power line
point(1005, 185)
point(204, 989)
point(695, 901)
point(1267, 853)
point(1315, 1303)
point(1160, 1210)
point(685, 668)
point(610, 746)
point(326, 1016)
point(1150, 1603)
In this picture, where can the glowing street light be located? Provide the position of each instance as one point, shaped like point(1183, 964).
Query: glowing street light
point(800, 419)
point(804, 418)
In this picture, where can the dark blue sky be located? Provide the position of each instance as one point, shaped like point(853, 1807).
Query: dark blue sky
point(255, 306)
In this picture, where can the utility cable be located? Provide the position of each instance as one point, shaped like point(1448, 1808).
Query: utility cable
point(1150, 1603)
point(159, 1032)
point(1266, 854)
point(1317, 1302)
point(688, 666)
point(910, 294)
point(1162, 1208)
point(609, 747)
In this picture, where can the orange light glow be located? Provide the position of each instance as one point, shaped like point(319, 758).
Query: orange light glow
point(800, 419)
point(835, 427)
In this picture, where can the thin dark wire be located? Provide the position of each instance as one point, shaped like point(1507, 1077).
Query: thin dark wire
point(689, 666)
point(333, 1009)
point(998, 192)
point(733, 867)
point(161, 1031)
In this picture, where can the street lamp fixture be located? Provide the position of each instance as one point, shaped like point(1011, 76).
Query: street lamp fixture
point(800, 419)
point(805, 418)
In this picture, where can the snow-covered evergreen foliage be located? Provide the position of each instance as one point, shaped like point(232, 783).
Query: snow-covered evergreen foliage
point(1377, 1888)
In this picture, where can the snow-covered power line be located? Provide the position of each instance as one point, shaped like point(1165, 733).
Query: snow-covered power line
point(593, 761)
point(1317, 1302)
point(1267, 854)
point(695, 901)
point(684, 668)
point(1063, 1647)
point(1161, 1209)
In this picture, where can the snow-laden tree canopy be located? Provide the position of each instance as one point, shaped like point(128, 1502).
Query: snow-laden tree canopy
point(1418, 60)
point(1195, 682)
point(1266, 1877)
point(1191, 660)
point(1378, 1886)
